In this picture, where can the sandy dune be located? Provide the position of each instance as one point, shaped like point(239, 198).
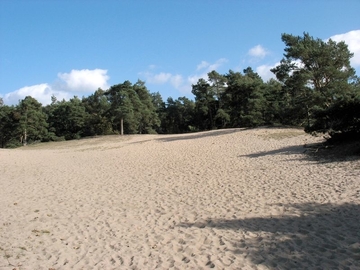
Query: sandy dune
point(226, 199)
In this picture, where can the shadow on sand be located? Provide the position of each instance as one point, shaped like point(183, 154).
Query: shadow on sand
point(316, 152)
point(319, 236)
point(199, 135)
point(289, 150)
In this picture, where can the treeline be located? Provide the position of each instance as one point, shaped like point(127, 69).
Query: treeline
point(315, 88)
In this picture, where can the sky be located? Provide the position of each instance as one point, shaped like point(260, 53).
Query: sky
point(71, 48)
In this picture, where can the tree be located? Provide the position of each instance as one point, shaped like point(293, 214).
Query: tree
point(342, 119)
point(32, 121)
point(272, 99)
point(244, 98)
point(121, 106)
point(132, 105)
point(254, 106)
point(96, 106)
point(205, 104)
point(314, 74)
point(8, 126)
point(160, 110)
point(68, 119)
point(218, 86)
point(179, 116)
point(149, 119)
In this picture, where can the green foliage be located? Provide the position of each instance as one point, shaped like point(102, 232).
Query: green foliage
point(314, 74)
point(134, 105)
point(160, 111)
point(67, 119)
point(96, 107)
point(121, 107)
point(8, 125)
point(205, 104)
point(180, 115)
point(244, 98)
point(32, 121)
point(273, 103)
point(221, 118)
point(149, 119)
point(341, 120)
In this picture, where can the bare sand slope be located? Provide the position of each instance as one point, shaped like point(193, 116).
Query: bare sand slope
point(227, 199)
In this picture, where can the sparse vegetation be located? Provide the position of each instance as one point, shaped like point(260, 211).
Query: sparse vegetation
point(283, 135)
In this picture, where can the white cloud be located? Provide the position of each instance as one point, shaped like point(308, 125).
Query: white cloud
point(176, 80)
point(77, 82)
point(41, 92)
point(265, 73)
point(210, 67)
point(159, 78)
point(352, 39)
point(202, 65)
point(181, 84)
point(162, 78)
point(85, 79)
point(195, 78)
point(217, 64)
point(258, 52)
point(206, 67)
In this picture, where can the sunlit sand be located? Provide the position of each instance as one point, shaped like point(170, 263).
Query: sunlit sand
point(225, 199)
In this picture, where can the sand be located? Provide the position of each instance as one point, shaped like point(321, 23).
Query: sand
point(225, 199)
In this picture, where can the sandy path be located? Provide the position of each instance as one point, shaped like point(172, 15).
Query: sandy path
point(228, 199)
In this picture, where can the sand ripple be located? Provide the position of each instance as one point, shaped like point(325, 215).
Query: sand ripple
point(227, 199)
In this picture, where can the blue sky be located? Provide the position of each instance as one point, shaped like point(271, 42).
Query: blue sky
point(73, 47)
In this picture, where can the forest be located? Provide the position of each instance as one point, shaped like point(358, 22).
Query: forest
point(315, 88)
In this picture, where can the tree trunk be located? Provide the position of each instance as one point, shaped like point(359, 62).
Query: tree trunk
point(25, 137)
point(122, 126)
